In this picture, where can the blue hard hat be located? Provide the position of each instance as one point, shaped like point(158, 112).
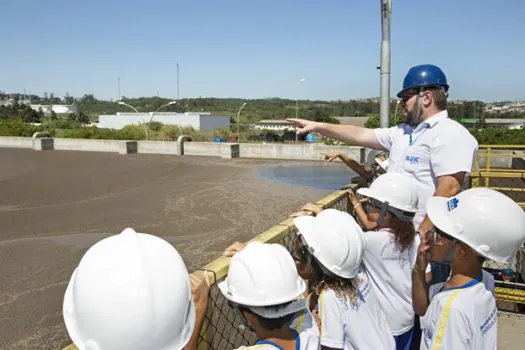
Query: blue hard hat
point(425, 75)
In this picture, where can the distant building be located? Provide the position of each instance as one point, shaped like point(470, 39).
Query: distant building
point(58, 109)
point(274, 124)
point(199, 121)
point(511, 123)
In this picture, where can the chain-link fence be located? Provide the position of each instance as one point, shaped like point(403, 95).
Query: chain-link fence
point(221, 328)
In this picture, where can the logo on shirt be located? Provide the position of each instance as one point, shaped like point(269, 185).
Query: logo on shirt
point(452, 204)
point(412, 159)
point(490, 322)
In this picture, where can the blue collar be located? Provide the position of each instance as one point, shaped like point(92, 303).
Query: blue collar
point(297, 341)
point(466, 285)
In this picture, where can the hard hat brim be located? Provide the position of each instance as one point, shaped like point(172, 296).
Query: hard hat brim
point(370, 193)
point(223, 287)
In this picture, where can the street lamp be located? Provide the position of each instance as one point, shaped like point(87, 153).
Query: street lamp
point(130, 106)
point(239, 122)
point(158, 109)
point(146, 127)
point(297, 102)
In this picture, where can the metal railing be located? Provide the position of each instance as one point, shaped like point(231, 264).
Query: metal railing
point(502, 168)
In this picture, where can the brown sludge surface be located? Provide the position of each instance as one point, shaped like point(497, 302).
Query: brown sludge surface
point(54, 205)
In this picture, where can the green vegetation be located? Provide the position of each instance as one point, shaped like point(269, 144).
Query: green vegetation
point(21, 120)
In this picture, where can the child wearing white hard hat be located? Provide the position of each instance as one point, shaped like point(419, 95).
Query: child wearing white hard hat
point(132, 291)
point(331, 245)
point(475, 225)
point(390, 250)
point(264, 288)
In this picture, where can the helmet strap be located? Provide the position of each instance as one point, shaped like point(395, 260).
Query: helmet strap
point(384, 209)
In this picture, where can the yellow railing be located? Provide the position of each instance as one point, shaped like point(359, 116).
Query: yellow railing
point(508, 180)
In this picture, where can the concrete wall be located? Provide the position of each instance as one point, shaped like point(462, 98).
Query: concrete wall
point(117, 146)
point(16, 142)
point(291, 151)
point(157, 147)
point(229, 150)
point(495, 162)
point(212, 149)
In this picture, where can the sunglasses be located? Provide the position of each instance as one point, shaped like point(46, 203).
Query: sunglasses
point(408, 96)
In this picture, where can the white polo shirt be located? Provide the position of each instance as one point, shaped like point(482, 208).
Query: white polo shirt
point(461, 318)
point(436, 147)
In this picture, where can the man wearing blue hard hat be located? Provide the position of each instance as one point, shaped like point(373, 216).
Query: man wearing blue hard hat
point(434, 149)
point(429, 146)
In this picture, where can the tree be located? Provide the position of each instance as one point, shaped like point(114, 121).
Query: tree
point(31, 116)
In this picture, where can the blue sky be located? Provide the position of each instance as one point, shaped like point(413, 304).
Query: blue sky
point(253, 49)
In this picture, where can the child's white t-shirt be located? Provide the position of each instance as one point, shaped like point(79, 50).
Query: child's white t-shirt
point(487, 279)
point(305, 326)
point(461, 318)
point(390, 271)
point(354, 324)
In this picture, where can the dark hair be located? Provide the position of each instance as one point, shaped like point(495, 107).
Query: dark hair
point(404, 233)
point(271, 324)
point(322, 279)
point(440, 98)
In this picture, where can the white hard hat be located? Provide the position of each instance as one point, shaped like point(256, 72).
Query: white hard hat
point(400, 191)
point(335, 239)
point(130, 291)
point(262, 275)
point(486, 220)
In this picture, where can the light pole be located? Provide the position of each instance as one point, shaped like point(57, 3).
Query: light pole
point(297, 102)
point(146, 127)
point(158, 109)
point(384, 110)
point(239, 122)
point(130, 106)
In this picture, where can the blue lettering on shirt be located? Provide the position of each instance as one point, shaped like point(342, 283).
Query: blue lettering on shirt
point(412, 159)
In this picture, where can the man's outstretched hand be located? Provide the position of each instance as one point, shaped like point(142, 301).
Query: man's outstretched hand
point(304, 126)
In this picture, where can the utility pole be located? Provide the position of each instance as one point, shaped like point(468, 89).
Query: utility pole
point(178, 86)
point(118, 82)
point(384, 111)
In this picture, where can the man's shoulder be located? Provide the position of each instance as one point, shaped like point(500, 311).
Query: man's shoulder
point(455, 130)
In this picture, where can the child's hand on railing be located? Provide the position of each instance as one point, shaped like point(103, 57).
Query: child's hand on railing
point(234, 249)
point(308, 209)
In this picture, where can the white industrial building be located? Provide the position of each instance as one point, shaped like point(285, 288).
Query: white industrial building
point(58, 109)
point(199, 121)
